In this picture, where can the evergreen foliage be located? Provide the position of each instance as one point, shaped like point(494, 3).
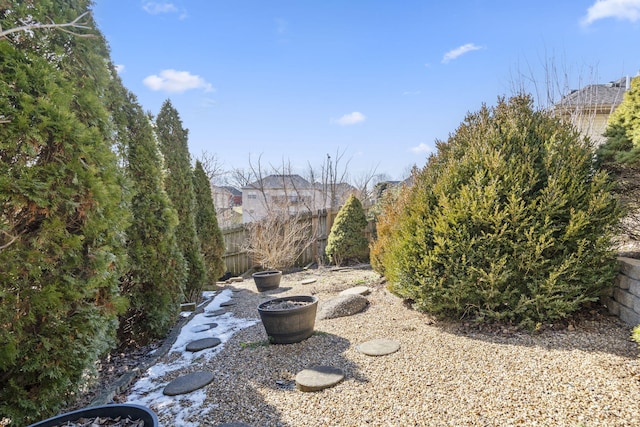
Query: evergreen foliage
point(156, 277)
point(346, 240)
point(508, 221)
point(388, 212)
point(62, 217)
point(622, 147)
point(207, 227)
point(173, 143)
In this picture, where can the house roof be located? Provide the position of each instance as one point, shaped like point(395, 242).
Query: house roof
point(280, 181)
point(229, 189)
point(598, 95)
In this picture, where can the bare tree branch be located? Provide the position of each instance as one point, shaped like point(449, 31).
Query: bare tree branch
point(73, 24)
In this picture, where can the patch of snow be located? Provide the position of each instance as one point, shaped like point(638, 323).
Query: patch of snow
point(147, 391)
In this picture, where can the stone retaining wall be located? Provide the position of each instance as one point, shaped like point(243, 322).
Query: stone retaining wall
point(624, 299)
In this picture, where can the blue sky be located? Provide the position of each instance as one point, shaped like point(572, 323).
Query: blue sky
point(376, 80)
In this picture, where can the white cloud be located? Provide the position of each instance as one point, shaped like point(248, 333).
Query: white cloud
point(176, 82)
point(454, 53)
point(421, 148)
point(351, 119)
point(619, 9)
point(119, 68)
point(155, 8)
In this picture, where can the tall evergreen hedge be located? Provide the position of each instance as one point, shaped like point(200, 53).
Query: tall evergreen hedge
point(508, 221)
point(209, 233)
point(173, 143)
point(62, 217)
point(155, 280)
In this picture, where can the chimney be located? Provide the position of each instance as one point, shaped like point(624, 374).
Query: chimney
point(628, 83)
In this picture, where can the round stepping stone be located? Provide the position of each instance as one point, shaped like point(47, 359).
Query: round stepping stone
point(203, 343)
point(205, 327)
point(307, 281)
point(188, 383)
point(379, 347)
point(236, 279)
point(228, 304)
point(357, 290)
point(318, 378)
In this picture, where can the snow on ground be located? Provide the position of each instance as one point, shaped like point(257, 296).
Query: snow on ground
point(147, 391)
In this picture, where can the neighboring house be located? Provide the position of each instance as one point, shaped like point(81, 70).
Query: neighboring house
point(292, 193)
point(589, 108)
point(228, 203)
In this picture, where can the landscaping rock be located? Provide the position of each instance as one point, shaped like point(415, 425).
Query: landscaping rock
point(318, 378)
point(379, 347)
point(357, 290)
point(188, 383)
point(342, 305)
point(202, 344)
point(307, 281)
point(228, 304)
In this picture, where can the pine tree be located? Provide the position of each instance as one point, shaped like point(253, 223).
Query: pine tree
point(63, 212)
point(346, 240)
point(173, 142)
point(207, 225)
point(155, 281)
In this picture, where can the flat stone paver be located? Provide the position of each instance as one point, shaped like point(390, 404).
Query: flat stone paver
point(357, 290)
point(188, 383)
point(228, 304)
point(318, 378)
point(379, 347)
point(204, 327)
point(203, 343)
point(307, 281)
point(214, 313)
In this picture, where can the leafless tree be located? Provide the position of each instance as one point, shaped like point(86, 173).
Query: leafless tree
point(75, 24)
point(213, 167)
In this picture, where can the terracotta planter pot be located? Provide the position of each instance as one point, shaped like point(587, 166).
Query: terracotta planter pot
point(105, 411)
point(266, 280)
point(289, 320)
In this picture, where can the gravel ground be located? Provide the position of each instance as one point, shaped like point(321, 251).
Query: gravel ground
point(579, 373)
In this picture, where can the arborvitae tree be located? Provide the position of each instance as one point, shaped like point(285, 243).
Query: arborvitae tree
point(155, 281)
point(623, 131)
point(207, 225)
point(63, 217)
point(346, 240)
point(173, 142)
point(508, 221)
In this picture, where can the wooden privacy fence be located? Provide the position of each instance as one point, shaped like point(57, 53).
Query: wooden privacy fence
point(238, 260)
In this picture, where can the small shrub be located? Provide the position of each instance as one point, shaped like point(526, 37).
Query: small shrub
point(508, 221)
point(346, 240)
point(278, 239)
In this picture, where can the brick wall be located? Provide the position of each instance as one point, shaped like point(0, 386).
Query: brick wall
point(624, 299)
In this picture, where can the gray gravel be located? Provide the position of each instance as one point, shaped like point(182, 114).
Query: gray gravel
point(445, 373)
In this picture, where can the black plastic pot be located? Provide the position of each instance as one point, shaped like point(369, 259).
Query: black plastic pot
point(267, 280)
point(289, 325)
point(111, 411)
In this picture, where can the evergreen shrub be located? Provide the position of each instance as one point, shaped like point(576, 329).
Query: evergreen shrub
point(508, 221)
point(346, 240)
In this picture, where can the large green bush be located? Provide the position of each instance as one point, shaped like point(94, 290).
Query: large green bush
point(508, 221)
point(62, 219)
point(346, 240)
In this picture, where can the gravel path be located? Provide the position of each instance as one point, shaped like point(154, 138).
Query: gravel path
point(445, 374)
